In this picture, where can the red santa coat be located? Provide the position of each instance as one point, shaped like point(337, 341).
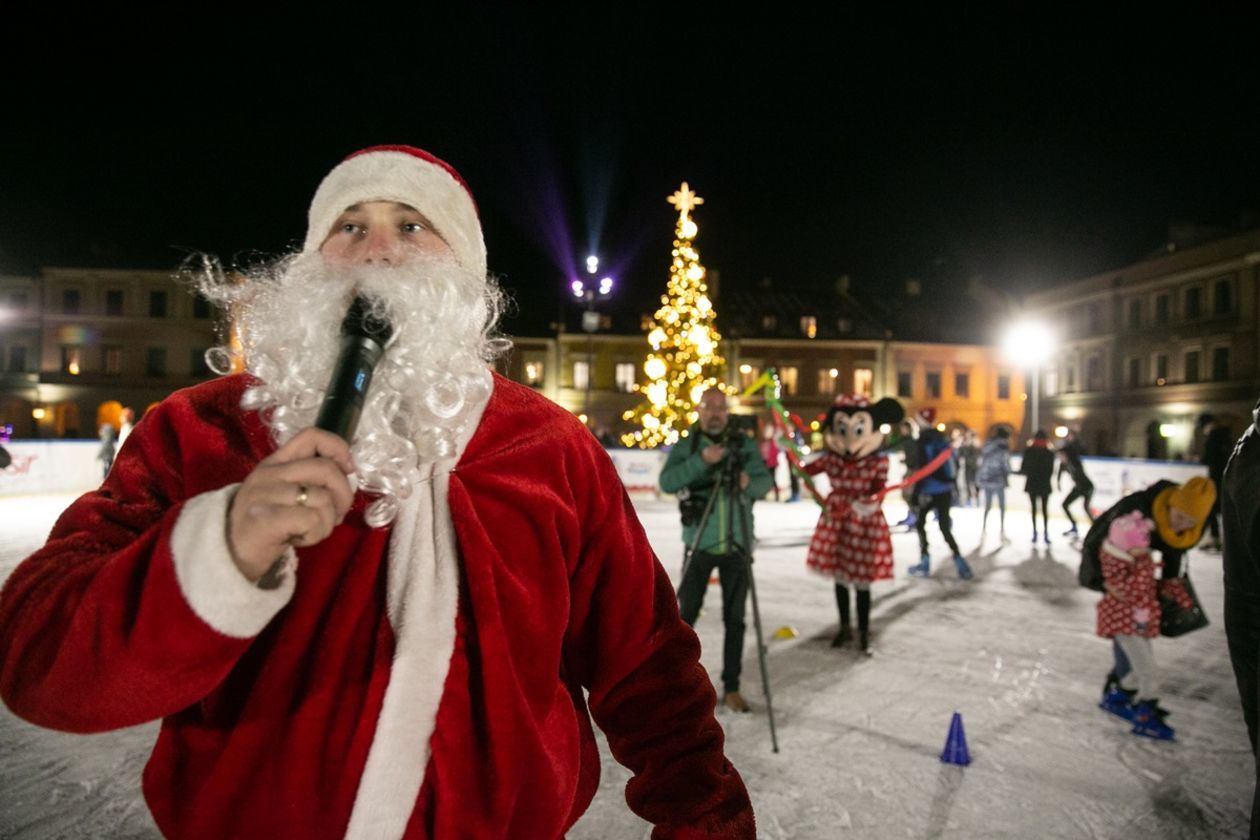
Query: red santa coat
point(846, 545)
point(267, 735)
point(1132, 575)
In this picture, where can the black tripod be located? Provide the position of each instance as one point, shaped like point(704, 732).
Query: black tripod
point(732, 468)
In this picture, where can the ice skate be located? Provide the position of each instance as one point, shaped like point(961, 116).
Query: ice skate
point(1072, 533)
point(736, 702)
point(864, 643)
point(1116, 700)
point(843, 637)
point(1045, 536)
point(964, 571)
point(923, 569)
point(1148, 721)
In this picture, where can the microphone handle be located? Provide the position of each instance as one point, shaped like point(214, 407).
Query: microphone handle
point(348, 387)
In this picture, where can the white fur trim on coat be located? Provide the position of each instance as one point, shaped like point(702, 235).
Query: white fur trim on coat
point(212, 584)
point(1116, 551)
point(407, 179)
point(422, 599)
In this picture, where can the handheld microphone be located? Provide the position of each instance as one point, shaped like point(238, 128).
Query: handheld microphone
point(363, 340)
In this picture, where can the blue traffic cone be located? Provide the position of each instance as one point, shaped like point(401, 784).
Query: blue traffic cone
point(956, 743)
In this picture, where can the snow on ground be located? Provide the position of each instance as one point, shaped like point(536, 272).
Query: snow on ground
point(1013, 651)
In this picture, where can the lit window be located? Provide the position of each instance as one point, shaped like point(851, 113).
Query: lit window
point(625, 376)
point(809, 326)
point(787, 378)
point(71, 360)
point(534, 373)
point(863, 381)
point(581, 374)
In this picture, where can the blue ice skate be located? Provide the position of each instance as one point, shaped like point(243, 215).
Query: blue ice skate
point(923, 569)
point(1148, 721)
point(964, 571)
point(1119, 702)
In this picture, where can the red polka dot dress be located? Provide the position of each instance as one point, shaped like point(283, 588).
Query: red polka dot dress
point(847, 546)
point(1132, 575)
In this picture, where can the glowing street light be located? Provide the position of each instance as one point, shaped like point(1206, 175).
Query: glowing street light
point(588, 292)
point(1029, 343)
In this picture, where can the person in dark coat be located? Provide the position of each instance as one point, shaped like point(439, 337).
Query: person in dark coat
point(1179, 513)
point(1218, 443)
point(1037, 467)
point(1082, 488)
point(1241, 500)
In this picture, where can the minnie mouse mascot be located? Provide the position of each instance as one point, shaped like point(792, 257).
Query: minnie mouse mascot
point(851, 543)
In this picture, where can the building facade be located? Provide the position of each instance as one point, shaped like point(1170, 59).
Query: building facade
point(1145, 349)
point(73, 339)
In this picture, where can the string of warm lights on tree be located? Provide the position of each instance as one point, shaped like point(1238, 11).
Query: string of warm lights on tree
point(683, 360)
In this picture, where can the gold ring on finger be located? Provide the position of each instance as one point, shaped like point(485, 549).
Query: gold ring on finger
point(302, 496)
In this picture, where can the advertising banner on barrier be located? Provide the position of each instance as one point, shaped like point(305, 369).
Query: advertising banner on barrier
point(51, 466)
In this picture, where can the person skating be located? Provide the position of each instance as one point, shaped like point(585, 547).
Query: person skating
point(991, 475)
point(1037, 467)
point(935, 492)
point(969, 459)
point(1179, 513)
point(1129, 615)
point(851, 544)
point(1070, 462)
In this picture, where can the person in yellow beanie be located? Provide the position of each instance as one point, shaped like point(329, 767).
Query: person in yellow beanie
point(1179, 512)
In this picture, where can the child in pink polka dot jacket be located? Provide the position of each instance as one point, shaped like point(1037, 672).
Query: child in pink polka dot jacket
point(1129, 614)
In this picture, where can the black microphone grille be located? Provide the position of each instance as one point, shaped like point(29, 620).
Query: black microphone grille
point(361, 323)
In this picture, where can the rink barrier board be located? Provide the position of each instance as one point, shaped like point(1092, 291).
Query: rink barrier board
point(70, 466)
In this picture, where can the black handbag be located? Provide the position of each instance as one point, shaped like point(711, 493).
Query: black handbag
point(1174, 619)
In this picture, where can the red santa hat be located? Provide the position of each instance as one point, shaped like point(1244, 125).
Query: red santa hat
point(409, 176)
point(926, 417)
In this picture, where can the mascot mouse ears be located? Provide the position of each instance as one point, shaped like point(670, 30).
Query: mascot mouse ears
point(853, 424)
point(887, 410)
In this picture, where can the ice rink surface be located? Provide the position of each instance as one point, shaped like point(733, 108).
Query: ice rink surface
point(1013, 651)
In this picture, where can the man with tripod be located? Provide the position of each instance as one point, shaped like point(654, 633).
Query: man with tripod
point(717, 473)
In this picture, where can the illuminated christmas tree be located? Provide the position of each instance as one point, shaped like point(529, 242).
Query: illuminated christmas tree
point(683, 361)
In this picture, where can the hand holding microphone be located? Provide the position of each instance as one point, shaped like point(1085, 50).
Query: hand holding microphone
point(299, 493)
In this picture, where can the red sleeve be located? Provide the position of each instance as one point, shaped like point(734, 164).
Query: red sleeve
point(648, 690)
point(95, 630)
point(817, 465)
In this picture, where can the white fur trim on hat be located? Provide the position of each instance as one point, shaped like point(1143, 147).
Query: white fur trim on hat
point(408, 177)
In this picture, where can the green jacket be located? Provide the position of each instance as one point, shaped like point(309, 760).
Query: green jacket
point(686, 469)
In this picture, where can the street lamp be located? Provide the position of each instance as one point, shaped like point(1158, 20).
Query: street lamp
point(589, 291)
point(1029, 344)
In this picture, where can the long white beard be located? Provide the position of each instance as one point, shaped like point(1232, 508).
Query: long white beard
point(428, 387)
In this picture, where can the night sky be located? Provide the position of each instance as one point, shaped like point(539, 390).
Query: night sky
point(1027, 149)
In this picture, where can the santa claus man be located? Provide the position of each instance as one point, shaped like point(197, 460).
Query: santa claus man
point(386, 638)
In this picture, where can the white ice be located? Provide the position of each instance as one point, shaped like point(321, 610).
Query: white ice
point(1013, 651)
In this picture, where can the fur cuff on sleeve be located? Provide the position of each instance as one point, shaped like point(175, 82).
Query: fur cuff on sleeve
point(215, 589)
